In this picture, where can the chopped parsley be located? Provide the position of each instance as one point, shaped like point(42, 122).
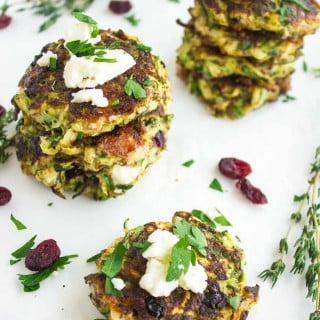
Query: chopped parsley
point(94, 257)
point(143, 47)
point(132, 19)
point(288, 98)
point(52, 63)
point(23, 250)
point(305, 66)
point(115, 102)
point(188, 163)
point(19, 225)
point(216, 185)
point(134, 88)
point(147, 82)
point(234, 302)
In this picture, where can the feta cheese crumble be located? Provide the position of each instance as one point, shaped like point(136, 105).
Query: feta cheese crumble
point(81, 72)
point(95, 96)
point(124, 175)
point(81, 31)
point(118, 283)
point(158, 256)
point(44, 60)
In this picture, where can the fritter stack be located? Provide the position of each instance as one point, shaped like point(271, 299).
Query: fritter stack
point(100, 151)
point(239, 54)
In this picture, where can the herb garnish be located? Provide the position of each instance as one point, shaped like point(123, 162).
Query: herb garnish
point(216, 185)
point(19, 225)
point(134, 88)
point(52, 63)
point(31, 282)
point(307, 246)
point(6, 117)
point(288, 98)
point(188, 163)
point(23, 250)
point(94, 257)
point(143, 47)
point(112, 266)
point(305, 66)
point(211, 222)
point(234, 302)
point(283, 9)
point(133, 20)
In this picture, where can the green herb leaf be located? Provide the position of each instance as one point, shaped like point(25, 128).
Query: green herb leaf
point(302, 5)
point(31, 282)
point(5, 141)
point(143, 47)
point(216, 185)
point(50, 204)
point(49, 22)
point(188, 163)
point(147, 82)
point(305, 66)
point(299, 198)
point(222, 220)
point(115, 102)
point(109, 60)
point(12, 262)
point(82, 17)
point(114, 45)
point(234, 302)
point(23, 250)
point(112, 266)
point(94, 257)
point(180, 260)
point(110, 289)
point(133, 20)
point(202, 216)
point(52, 63)
point(142, 245)
point(19, 225)
point(134, 88)
point(288, 98)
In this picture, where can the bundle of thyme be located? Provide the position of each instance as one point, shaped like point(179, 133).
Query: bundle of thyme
point(307, 246)
point(52, 10)
point(6, 117)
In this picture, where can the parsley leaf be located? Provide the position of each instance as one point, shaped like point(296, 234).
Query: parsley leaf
point(52, 63)
point(288, 98)
point(82, 17)
point(133, 20)
point(143, 47)
point(31, 282)
point(188, 163)
point(234, 302)
point(23, 250)
point(181, 257)
point(110, 289)
point(134, 88)
point(19, 225)
point(5, 143)
point(204, 218)
point(216, 185)
point(94, 257)
point(142, 245)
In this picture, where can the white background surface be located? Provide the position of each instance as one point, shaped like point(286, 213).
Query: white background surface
point(278, 140)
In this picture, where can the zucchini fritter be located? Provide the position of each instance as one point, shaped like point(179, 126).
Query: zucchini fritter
point(223, 263)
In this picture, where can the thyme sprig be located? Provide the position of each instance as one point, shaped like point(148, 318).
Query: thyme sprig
point(52, 10)
point(307, 247)
point(5, 142)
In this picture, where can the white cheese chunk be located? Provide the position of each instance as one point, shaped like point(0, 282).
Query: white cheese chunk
point(44, 60)
point(95, 96)
point(118, 283)
point(154, 279)
point(81, 31)
point(162, 243)
point(124, 175)
point(195, 279)
point(81, 72)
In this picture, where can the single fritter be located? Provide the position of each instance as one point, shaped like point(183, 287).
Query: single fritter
point(288, 18)
point(224, 295)
point(94, 112)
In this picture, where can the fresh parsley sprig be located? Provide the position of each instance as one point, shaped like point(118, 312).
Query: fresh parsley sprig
point(307, 246)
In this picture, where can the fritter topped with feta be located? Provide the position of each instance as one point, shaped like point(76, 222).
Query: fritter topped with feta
point(185, 269)
point(94, 112)
point(288, 18)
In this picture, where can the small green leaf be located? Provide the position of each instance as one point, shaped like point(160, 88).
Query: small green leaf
point(216, 185)
point(188, 163)
point(115, 102)
point(110, 289)
point(222, 220)
point(132, 19)
point(23, 250)
point(112, 266)
point(147, 82)
point(82, 17)
point(134, 88)
point(234, 302)
point(52, 63)
point(50, 204)
point(299, 198)
point(288, 98)
point(94, 257)
point(204, 218)
point(19, 225)
point(143, 47)
point(305, 66)
point(12, 262)
point(140, 162)
point(142, 245)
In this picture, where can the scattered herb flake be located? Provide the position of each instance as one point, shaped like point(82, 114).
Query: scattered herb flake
point(115, 102)
point(24, 249)
point(31, 282)
point(142, 245)
point(305, 66)
point(147, 82)
point(82, 17)
point(19, 225)
point(132, 19)
point(50, 204)
point(288, 98)
point(12, 262)
point(52, 63)
point(234, 302)
point(216, 185)
point(6, 142)
point(222, 220)
point(134, 88)
point(143, 47)
point(140, 162)
point(188, 163)
point(94, 258)
point(302, 4)
point(202, 216)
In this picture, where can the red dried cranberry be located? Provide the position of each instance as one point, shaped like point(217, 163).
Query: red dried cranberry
point(4, 21)
point(43, 255)
point(234, 168)
point(254, 194)
point(120, 7)
point(5, 196)
point(159, 140)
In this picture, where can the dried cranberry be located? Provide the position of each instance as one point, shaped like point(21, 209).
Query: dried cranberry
point(120, 7)
point(154, 307)
point(214, 298)
point(254, 194)
point(234, 168)
point(5, 196)
point(4, 21)
point(43, 255)
point(159, 140)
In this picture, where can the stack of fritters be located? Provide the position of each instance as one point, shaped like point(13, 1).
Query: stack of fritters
point(239, 54)
point(98, 151)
